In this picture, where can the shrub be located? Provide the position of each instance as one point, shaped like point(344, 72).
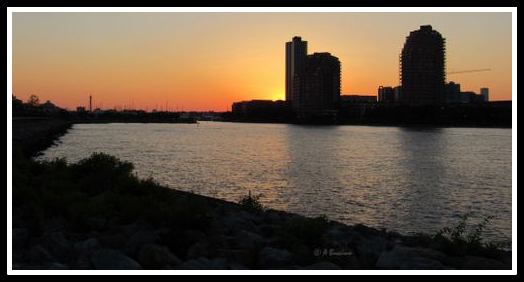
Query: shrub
point(461, 240)
point(251, 203)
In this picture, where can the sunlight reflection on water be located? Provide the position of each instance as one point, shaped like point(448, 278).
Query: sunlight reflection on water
point(408, 180)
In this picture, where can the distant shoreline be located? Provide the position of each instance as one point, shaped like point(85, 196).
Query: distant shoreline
point(407, 125)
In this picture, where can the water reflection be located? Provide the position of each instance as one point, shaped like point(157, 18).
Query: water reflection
point(405, 179)
point(422, 153)
point(314, 168)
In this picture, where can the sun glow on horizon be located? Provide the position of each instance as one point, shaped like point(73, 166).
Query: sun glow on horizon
point(203, 61)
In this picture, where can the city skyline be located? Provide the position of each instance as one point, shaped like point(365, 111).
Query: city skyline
point(197, 61)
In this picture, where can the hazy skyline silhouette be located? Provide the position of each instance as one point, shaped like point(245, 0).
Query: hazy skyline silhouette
point(206, 61)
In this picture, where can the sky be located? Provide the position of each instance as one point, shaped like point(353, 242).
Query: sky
point(207, 61)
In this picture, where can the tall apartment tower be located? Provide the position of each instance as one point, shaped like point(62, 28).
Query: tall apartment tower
point(318, 86)
point(422, 65)
point(296, 54)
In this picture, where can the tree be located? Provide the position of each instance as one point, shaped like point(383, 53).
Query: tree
point(33, 100)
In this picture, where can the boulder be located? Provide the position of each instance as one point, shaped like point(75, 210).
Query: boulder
point(38, 254)
point(140, 239)
point(59, 247)
point(113, 260)
point(195, 264)
point(20, 237)
point(153, 256)
point(270, 258)
point(240, 221)
point(368, 250)
point(248, 240)
point(323, 265)
point(113, 240)
point(199, 249)
point(407, 258)
point(479, 263)
point(87, 246)
point(57, 266)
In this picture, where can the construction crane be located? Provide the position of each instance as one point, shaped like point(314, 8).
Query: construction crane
point(468, 71)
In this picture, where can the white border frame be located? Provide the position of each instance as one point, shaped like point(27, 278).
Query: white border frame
point(512, 10)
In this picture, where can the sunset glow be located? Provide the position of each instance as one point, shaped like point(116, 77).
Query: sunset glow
point(206, 61)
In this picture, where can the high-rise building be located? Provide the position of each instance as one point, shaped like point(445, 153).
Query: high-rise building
point(317, 86)
point(422, 65)
point(386, 94)
point(484, 92)
point(397, 93)
point(452, 93)
point(296, 53)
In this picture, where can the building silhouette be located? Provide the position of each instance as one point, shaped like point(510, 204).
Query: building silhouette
point(422, 65)
point(452, 93)
point(317, 87)
point(484, 91)
point(296, 53)
point(386, 94)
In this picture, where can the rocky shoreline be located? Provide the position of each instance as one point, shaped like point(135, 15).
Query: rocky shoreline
point(97, 215)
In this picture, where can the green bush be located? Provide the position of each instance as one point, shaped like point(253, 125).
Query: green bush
point(251, 203)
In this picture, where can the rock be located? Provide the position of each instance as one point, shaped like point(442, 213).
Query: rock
point(323, 265)
point(113, 260)
point(83, 250)
point(267, 230)
point(82, 263)
point(249, 240)
point(236, 255)
point(59, 247)
point(240, 221)
point(236, 266)
point(114, 241)
point(269, 258)
point(272, 217)
point(479, 263)
point(219, 263)
point(368, 250)
point(57, 266)
point(55, 224)
point(96, 223)
point(87, 246)
point(139, 239)
point(195, 264)
point(153, 256)
point(204, 264)
point(408, 258)
point(196, 250)
point(20, 237)
point(195, 235)
point(336, 237)
point(130, 229)
point(39, 254)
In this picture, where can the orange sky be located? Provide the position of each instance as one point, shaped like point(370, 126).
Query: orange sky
point(206, 61)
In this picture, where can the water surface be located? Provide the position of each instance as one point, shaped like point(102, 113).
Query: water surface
point(403, 179)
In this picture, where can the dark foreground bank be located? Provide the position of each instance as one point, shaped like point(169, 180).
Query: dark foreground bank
point(96, 214)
